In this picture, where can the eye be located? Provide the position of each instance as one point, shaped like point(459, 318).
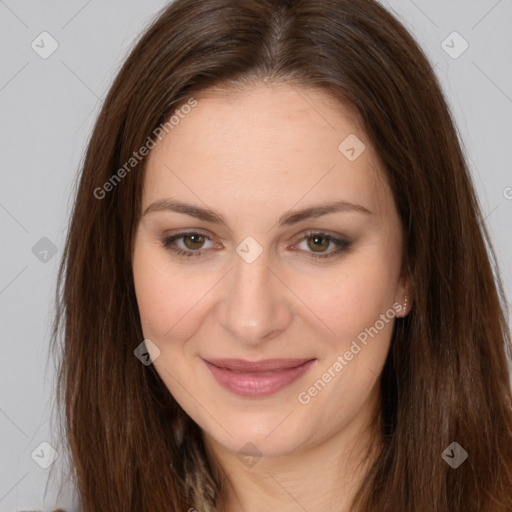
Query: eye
point(192, 242)
point(317, 241)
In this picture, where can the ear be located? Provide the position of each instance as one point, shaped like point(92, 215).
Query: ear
point(404, 296)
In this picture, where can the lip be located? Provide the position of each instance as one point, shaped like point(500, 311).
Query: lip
point(251, 378)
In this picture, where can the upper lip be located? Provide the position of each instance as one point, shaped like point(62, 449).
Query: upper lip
point(257, 366)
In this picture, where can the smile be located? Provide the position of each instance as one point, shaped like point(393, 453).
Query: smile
point(257, 379)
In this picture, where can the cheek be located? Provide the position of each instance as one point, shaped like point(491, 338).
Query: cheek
point(341, 300)
point(352, 297)
point(165, 300)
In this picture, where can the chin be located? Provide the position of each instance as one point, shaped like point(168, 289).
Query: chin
point(265, 436)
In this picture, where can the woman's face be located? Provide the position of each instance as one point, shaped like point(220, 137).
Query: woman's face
point(256, 280)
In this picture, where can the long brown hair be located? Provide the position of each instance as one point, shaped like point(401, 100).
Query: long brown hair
point(445, 379)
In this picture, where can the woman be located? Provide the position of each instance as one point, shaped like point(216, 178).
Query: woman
point(276, 291)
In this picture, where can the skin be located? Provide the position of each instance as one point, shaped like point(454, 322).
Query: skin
point(252, 156)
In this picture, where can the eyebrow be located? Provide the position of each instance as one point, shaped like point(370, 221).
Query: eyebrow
point(288, 219)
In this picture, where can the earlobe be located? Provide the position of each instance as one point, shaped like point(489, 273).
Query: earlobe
point(405, 298)
point(405, 305)
point(403, 310)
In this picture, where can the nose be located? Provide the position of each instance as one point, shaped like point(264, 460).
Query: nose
point(256, 303)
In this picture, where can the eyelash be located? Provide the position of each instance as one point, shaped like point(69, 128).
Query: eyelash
point(341, 245)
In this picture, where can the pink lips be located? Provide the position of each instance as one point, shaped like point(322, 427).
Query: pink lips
point(257, 379)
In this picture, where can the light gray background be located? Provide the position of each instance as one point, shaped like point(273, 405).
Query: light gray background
point(48, 107)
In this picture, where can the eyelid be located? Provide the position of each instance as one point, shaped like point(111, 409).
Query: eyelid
point(169, 237)
point(341, 243)
point(323, 232)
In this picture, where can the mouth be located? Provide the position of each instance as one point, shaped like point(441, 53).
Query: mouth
point(257, 378)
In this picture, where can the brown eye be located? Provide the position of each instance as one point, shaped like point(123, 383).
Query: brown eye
point(193, 241)
point(191, 244)
point(318, 243)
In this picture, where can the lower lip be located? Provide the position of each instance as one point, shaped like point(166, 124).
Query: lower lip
point(257, 385)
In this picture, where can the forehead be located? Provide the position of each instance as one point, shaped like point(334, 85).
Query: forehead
point(266, 144)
